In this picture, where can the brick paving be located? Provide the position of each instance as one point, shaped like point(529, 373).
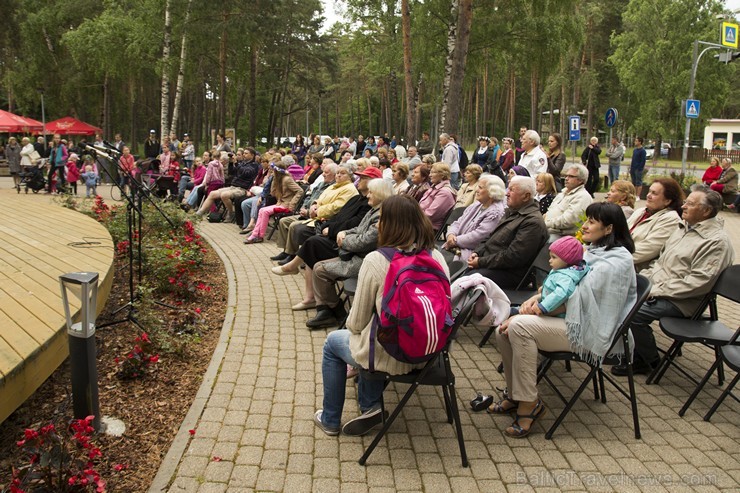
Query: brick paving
point(254, 430)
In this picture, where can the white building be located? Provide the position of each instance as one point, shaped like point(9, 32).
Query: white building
point(722, 135)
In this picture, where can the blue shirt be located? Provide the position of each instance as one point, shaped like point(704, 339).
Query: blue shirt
point(639, 157)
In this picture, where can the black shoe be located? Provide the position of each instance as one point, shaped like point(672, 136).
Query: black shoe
point(279, 256)
point(363, 423)
point(323, 319)
point(637, 369)
point(286, 259)
point(339, 312)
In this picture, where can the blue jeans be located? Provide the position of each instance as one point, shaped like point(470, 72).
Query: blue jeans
point(250, 209)
point(613, 173)
point(337, 356)
point(193, 197)
point(636, 175)
point(455, 180)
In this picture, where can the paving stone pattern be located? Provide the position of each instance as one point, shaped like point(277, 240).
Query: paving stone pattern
point(254, 430)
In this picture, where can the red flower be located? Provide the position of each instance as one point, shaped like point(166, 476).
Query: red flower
point(216, 459)
point(154, 358)
point(192, 432)
point(198, 310)
point(120, 467)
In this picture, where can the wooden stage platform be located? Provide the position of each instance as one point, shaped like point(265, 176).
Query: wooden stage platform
point(39, 241)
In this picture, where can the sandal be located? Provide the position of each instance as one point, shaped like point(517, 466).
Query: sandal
point(498, 407)
point(516, 429)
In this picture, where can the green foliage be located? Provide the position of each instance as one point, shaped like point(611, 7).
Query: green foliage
point(652, 57)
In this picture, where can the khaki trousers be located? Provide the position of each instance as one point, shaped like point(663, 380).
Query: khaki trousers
point(324, 288)
point(526, 335)
point(283, 227)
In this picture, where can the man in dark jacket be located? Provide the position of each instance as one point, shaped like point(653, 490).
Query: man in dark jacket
point(151, 145)
point(506, 256)
point(590, 159)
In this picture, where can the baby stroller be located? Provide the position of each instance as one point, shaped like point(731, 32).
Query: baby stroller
point(32, 177)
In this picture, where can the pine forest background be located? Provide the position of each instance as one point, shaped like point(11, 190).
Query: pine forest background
point(271, 68)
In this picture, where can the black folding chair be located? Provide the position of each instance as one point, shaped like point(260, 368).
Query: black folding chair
point(730, 354)
point(710, 332)
point(527, 287)
point(622, 333)
point(452, 216)
point(436, 372)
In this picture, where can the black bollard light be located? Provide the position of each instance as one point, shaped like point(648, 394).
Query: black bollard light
point(82, 352)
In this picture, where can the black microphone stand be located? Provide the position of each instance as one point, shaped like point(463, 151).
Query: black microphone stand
point(134, 215)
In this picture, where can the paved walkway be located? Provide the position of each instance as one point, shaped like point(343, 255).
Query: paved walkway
point(254, 430)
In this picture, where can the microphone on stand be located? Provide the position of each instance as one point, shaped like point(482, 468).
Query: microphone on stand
point(111, 147)
point(97, 151)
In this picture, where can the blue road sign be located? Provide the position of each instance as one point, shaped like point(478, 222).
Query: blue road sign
point(611, 117)
point(693, 106)
point(575, 128)
point(729, 34)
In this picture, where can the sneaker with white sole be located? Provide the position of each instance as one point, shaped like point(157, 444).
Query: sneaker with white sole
point(363, 423)
point(332, 432)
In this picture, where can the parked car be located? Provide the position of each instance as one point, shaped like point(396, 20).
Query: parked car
point(664, 148)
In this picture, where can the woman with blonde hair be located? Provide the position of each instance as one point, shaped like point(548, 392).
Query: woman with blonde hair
point(546, 191)
point(285, 190)
point(622, 193)
point(466, 194)
point(400, 175)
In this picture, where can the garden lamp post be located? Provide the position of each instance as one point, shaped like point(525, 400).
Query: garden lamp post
point(84, 287)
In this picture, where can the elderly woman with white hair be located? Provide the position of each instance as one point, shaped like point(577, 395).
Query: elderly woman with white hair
point(287, 193)
point(479, 219)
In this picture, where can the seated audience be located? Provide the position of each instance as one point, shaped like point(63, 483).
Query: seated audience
point(546, 191)
point(651, 225)
point(512, 247)
point(403, 226)
point(622, 193)
point(241, 182)
point(686, 270)
point(479, 219)
point(326, 206)
point(440, 198)
point(419, 182)
point(713, 171)
point(593, 312)
point(565, 212)
point(466, 194)
point(726, 184)
point(400, 178)
point(287, 193)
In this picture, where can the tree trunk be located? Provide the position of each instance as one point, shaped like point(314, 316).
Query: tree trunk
point(563, 97)
point(252, 134)
point(181, 70)
point(458, 38)
point(407, 76)
point(534, 99)
point(222, 79)
point(369, 114)
point(165, 102)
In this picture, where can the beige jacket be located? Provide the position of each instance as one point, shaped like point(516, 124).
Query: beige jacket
point(367, 301)
point(566, 210)
point(651, 234)
point(690, 263)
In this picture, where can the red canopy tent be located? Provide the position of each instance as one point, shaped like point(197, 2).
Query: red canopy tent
point(12, 123)
point(71, 126)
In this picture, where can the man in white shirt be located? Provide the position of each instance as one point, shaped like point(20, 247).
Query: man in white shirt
point(533, 159)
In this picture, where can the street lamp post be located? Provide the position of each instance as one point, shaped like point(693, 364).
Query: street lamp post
point(692, 82)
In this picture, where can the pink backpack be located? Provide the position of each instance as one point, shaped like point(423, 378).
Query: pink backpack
point(415, 318)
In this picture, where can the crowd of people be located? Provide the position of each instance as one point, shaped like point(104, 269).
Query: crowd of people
point(333, 203)
point(339, 207)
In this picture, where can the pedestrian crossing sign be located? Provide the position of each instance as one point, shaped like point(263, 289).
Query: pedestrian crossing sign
point(693, 106)
point(729, 35)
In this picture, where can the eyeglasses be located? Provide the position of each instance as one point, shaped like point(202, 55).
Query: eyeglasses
point(689, 203)
point(572, 176)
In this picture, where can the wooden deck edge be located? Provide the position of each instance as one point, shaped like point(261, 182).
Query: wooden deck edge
point(28, 376)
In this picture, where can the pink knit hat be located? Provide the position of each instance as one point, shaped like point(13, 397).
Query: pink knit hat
point(569, 249)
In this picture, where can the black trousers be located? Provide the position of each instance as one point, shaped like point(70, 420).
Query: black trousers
point(317, 248)
point(503, 278)
point(592, 182)
point(59, 170)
